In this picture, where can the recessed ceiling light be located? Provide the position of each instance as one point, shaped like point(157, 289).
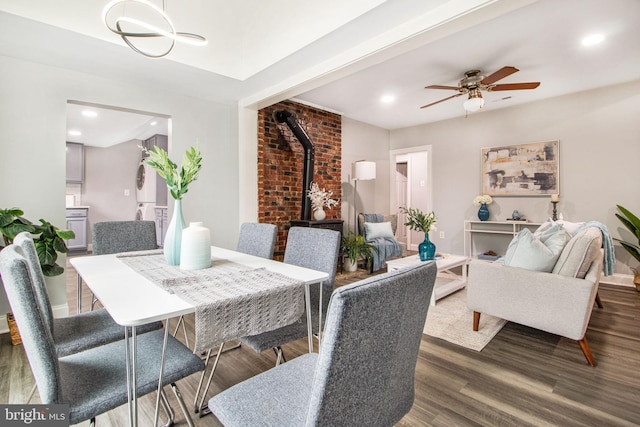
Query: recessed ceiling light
point(387, 99)
point(153, 123)
point(89, 113)
point(75, 133)
point(593, 39)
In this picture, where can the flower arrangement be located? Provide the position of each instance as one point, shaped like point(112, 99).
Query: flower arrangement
point(418, 221)
point(178, 182)
point(482, 200)
point(320, 198)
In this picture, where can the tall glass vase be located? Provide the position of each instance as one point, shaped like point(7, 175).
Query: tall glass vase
point(173, 238)
point(426, 249)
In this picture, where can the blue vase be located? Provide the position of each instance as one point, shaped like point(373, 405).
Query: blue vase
point(483, 212)
point(173, 238)
point(426, 249)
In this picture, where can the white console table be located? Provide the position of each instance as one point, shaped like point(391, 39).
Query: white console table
point(481, 236)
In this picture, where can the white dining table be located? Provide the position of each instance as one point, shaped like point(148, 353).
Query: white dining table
point(133, 300)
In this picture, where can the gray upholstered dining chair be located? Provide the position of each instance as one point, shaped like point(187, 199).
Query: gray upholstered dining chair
point(314, 248)
point(94, 381)
point(364, 373)
point(112, 237)
point(257, 239)
point(74, 333)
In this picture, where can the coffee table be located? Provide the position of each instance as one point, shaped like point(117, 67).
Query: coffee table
point(447, 282)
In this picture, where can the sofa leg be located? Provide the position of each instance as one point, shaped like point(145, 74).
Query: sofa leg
point(598, 301)
point(476, 320)
point(587, 351)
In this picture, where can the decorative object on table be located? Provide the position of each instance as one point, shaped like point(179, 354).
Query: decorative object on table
point(362, 171)
point(195, 249)
point(320, 199)
point(632, 222)
point(48, 239)
point(483, 201)
point(488, 256)
point(178, 183)
point(521, 170)
point(554, 200)
point(418, 221)
point(515, 216)
point(354, 248)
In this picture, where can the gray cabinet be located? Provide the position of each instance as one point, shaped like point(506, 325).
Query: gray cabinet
point(161, 141)
point(75, 163)
point(77, 222)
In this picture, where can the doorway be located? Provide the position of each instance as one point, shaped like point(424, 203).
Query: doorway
point(411, 186)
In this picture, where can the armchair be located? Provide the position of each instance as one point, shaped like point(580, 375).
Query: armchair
point(387, 246)
point(559, 302)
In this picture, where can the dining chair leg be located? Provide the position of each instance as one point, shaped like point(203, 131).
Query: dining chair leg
point(196, 408)
point(168, 410)
point(32, 393)
point(204, 409)
point(279, 355)
point(185, 411)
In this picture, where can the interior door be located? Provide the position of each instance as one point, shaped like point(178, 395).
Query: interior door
point(401, 199)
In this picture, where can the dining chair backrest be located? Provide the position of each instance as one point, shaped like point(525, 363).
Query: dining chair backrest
point(317, 249)
point(112, 237)
point(36, 336)
point(257, 239)
point(366, 367)
point(28, 250)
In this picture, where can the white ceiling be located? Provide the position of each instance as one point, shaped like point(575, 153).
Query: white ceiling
point(370, 49)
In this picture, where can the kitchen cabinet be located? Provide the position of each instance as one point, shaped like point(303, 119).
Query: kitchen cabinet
point(162, 221)
point(161, 141)
point(77, 222)
point(75, 163)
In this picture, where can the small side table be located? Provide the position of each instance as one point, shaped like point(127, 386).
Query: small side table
point(447, 282)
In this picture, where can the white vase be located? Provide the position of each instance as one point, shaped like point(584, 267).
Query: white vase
point(349, 265)
point(195, 252)
point(173, 237)
point(319, 214)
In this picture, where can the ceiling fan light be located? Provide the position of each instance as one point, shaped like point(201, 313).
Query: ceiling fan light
point(474, 103)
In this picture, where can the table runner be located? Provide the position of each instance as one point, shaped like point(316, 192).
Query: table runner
point(231, 300)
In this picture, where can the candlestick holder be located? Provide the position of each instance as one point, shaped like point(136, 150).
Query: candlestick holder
point(554, 216)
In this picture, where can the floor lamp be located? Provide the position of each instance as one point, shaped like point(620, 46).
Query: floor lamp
point(362, 171)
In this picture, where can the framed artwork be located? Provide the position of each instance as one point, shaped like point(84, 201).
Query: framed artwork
point(521, 170)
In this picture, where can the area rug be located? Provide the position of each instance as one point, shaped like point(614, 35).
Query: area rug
point(452, 321)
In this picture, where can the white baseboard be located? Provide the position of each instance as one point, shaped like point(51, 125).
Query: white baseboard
point(58, 311)
point(618, 280)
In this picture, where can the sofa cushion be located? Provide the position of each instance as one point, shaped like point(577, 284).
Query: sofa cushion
point(532, 253)
point(579, 253)
point(374, 230)
point(570, 227)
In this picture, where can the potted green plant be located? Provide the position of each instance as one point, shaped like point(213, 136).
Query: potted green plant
point(419, 221)
point(354, 248)
point(632, 223)
point(48, 239)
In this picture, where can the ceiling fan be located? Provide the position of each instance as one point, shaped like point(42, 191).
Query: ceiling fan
point(474, 83)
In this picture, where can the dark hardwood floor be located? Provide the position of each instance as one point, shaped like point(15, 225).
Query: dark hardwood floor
point(524, 377)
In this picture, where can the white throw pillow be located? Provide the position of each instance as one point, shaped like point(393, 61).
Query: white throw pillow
point(373, 230)
point(531, 253)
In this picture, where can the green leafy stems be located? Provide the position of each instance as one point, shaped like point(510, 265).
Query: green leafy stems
point(177, 181)
point(355, 247)
point(48, 239)
point(418, 221)
point(633, 225)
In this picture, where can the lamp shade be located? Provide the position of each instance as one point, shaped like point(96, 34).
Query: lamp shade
point(475, 101)
point(364, 171)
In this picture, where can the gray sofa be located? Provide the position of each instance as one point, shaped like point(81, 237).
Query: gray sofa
point(559, 302)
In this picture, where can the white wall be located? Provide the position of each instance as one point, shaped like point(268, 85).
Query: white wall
point(599, 134)
point(33, 100)
point(361, 141)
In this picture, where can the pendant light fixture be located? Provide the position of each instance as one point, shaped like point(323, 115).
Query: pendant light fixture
point(142, 20)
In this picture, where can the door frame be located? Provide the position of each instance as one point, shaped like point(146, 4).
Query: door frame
point(403, 154)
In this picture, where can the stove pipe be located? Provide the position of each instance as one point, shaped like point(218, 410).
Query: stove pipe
point(309, 157)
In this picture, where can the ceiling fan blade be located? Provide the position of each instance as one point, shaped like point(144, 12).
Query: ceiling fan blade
point(442, 100)
point(442, 87)
point(499, 75)
point(514, 86)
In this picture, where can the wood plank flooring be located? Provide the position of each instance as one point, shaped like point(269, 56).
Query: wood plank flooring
point(524, 377)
